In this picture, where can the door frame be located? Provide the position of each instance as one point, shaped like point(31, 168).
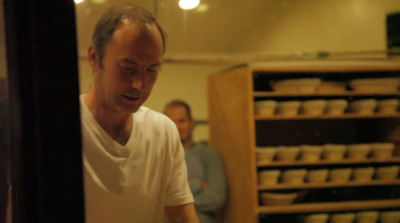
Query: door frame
point(45, 135)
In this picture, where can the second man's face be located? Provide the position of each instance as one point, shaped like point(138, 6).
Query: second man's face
point(179, 115)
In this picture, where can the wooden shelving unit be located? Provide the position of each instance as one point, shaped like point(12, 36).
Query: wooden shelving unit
point(344, 116)
point(393, 160)
point(236, 132)
point(347, 93)
point(331, 206)
point(329, 185)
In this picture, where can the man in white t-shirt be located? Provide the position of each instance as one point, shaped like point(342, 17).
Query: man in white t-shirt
point(134, 166)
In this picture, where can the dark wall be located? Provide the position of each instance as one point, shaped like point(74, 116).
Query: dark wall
point(4, 149)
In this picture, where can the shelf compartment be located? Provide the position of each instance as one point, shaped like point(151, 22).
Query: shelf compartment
point(329, 206)
point(326, 162)
point(261, 94)
point(344, 116)
point(328, 185)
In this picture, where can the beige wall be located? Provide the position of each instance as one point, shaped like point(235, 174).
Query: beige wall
point(312, 25)
point(186, 82)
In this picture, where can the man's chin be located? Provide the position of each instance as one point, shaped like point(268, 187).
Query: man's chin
point(130, 106)
point(129, 109)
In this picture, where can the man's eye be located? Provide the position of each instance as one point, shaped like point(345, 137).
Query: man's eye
point(128, 69)
point(152, 70)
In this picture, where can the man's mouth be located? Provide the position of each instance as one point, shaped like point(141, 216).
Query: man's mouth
point(131, 98)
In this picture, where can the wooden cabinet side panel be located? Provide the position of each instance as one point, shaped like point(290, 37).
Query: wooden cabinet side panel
point(232, 133)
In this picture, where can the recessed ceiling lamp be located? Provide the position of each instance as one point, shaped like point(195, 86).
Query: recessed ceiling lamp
point(78, 1)
point(188, 4)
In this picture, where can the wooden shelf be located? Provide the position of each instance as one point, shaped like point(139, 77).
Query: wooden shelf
point(329, 185)
point(235, 134)
point(344, 116)
point(260, 94)
point(329, 206)
point(341, 67)
point(327, 162)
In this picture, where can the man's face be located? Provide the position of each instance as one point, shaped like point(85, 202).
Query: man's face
point(131, 62)
point(179, 115)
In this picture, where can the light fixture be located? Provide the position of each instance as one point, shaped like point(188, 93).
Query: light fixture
point(188, 4)
point(78, 1)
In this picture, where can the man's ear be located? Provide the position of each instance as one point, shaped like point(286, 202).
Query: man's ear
point(93, 57)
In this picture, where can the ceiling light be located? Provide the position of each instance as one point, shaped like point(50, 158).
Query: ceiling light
point(188, 4)
point(78, 1)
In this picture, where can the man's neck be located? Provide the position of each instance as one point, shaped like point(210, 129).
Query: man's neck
point(188, 144)
point(116, 124)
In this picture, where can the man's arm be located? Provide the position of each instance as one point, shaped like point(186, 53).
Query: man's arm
point(181, 214)
point(214, 193)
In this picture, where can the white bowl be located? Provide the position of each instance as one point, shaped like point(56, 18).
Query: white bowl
point(265, 107)
point(293, 176)
point(268, 177)
point(316, 218)
point(342, 218)
point(358, 151)
point(387, 172)
point(288, 108)
point(363, 107)
point(331, 87)
point(340, 175)
point(382, 150)
point(333, 152)
point(310, 152)
point(268, 198)
point(313, 107)
point(367, 217)
point(265, 154)
point(374, 85)
point(287, 153)
point(300, 85)
point(317, 176)
point(363, 174)
point(336, 107)
point(389, 217)
point(388, 106)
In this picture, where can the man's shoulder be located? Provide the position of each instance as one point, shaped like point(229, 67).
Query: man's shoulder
point(151, 116)
point(148, 112)
point(203, 147)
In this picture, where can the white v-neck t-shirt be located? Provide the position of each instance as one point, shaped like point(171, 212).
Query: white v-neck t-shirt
point(133, 183)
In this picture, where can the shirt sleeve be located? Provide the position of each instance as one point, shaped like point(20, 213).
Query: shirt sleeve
point(214, 196)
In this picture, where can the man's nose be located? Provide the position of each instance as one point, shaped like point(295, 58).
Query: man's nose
point(139, 80)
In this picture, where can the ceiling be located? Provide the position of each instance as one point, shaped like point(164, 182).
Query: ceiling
point(257, 28)
point(194, 31)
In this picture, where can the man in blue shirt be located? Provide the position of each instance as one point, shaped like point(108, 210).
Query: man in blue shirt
point(206, 173)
